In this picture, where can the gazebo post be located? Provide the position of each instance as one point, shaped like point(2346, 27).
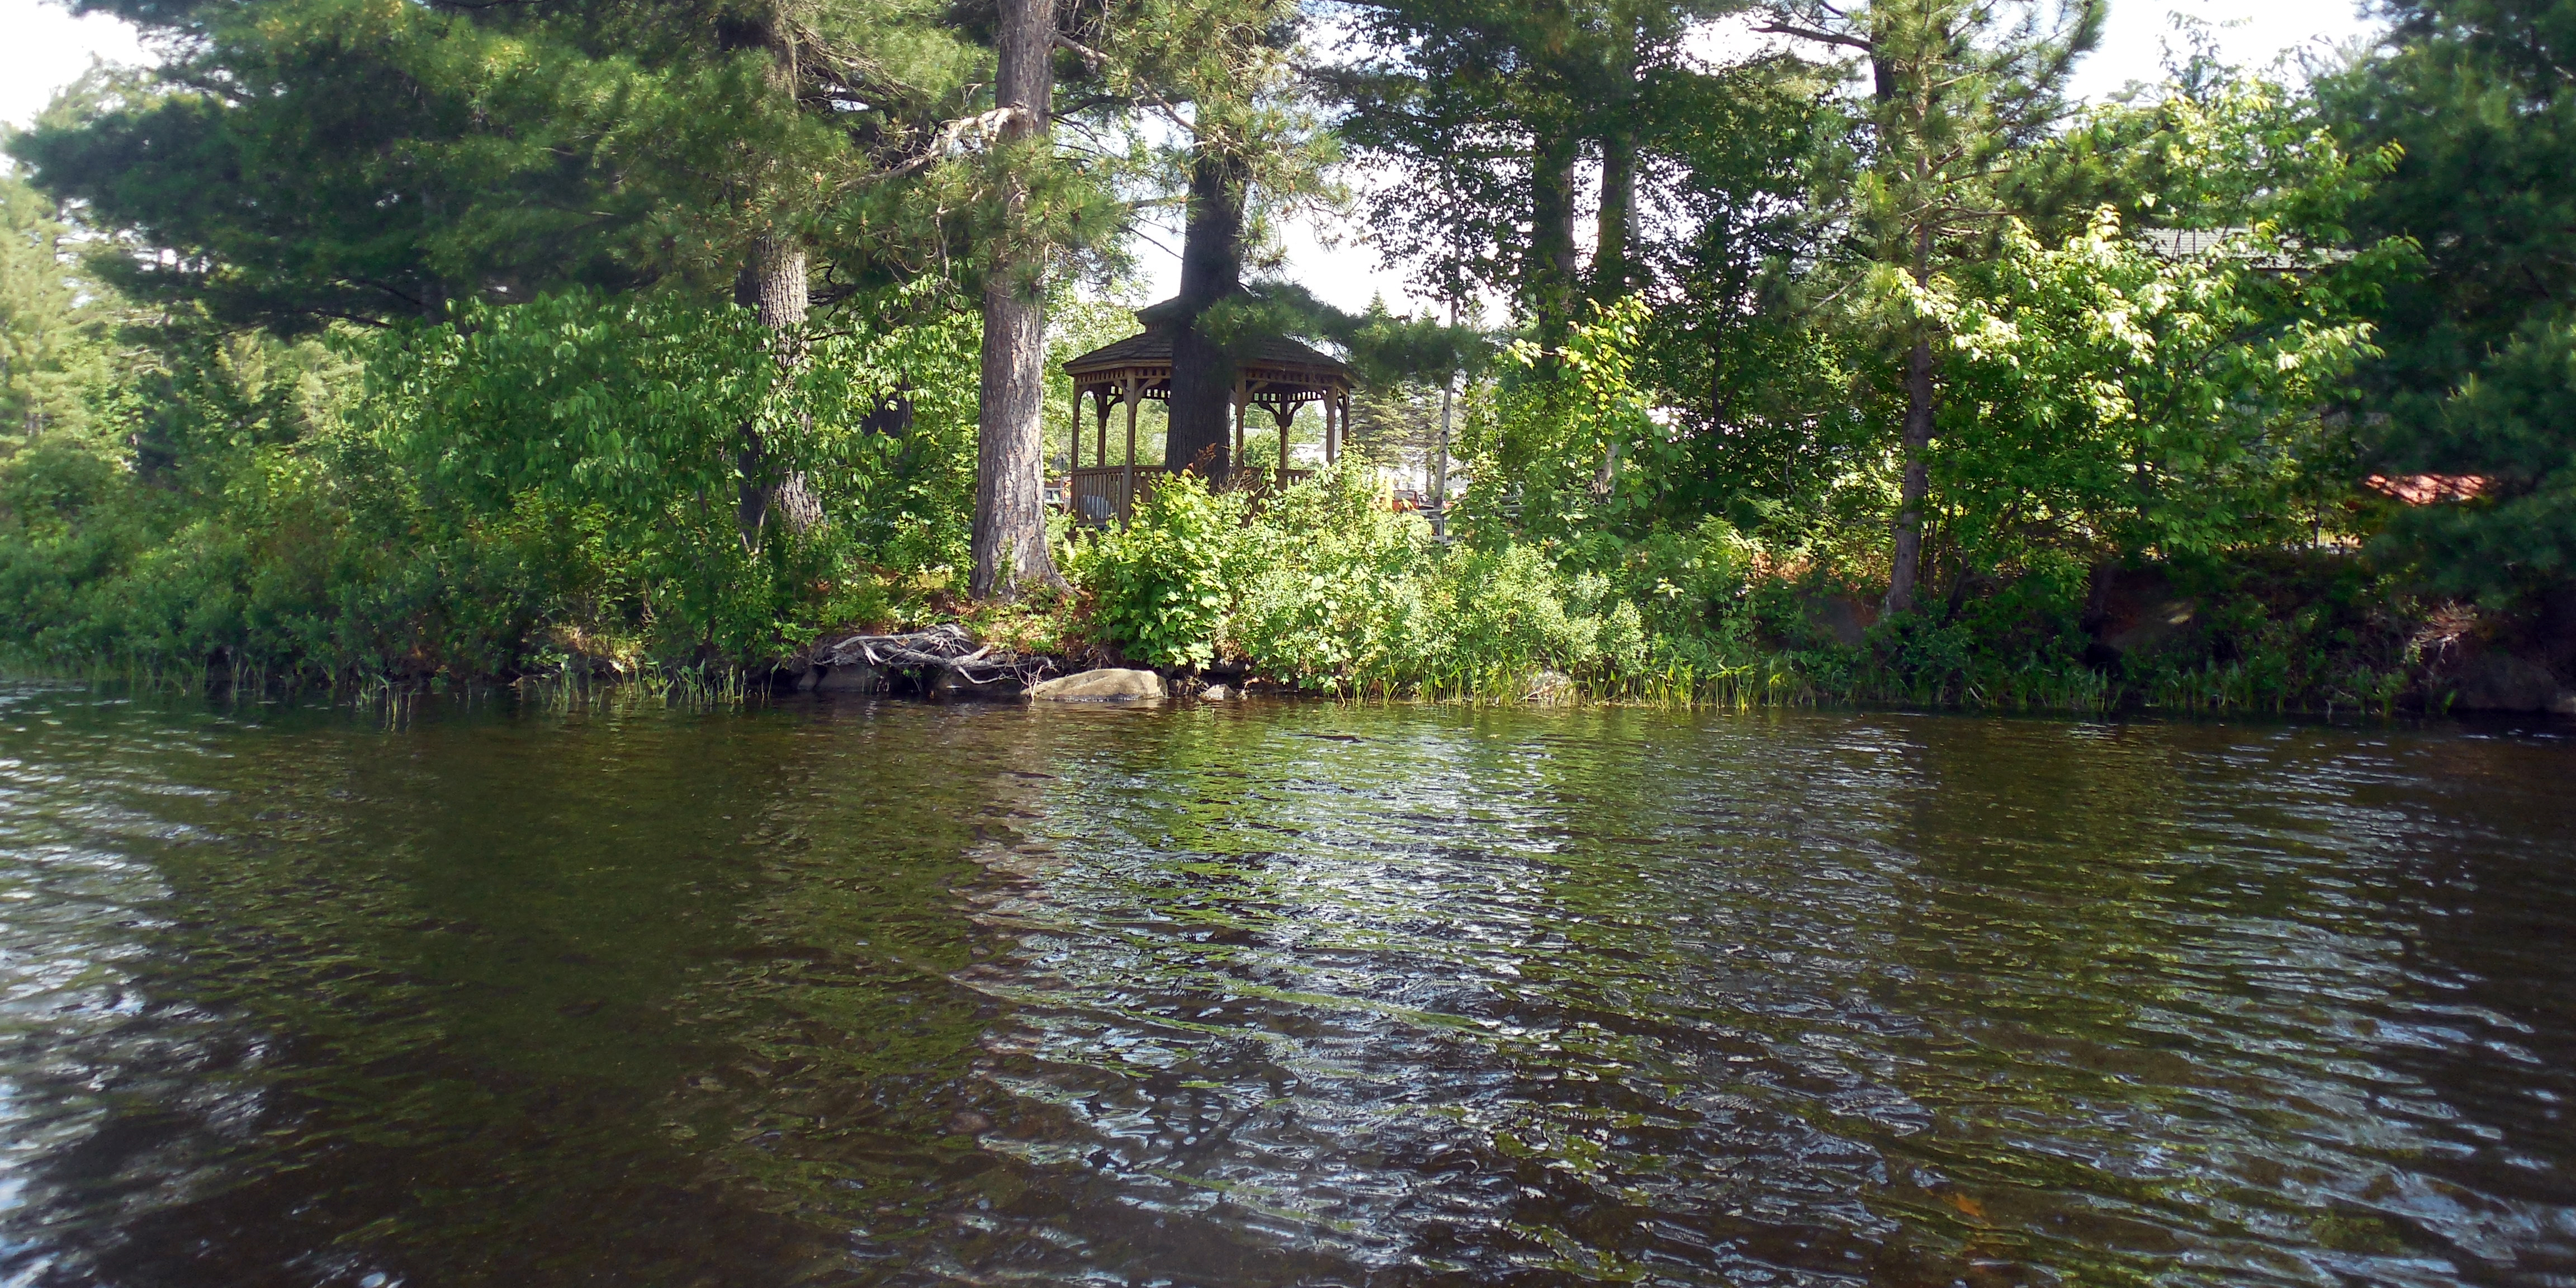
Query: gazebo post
point(1073, 461)
point(1242, 403)
point(1127, 506)
point(1281, 379)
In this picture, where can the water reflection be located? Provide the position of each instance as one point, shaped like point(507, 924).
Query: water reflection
point(868, 993)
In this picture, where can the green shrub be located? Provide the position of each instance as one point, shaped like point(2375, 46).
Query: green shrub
point(542, 486)
point(1334, 594)
point(1327, 588)
point(1163, 581)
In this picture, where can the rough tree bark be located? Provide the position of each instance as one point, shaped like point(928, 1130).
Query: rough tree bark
point(773, 285)
point(1553, 274)
point(1010, 542)
point(1202, 402)
point(1907, 565)
point(1611, 270)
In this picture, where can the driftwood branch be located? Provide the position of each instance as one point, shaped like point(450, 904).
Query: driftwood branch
point(945, 648)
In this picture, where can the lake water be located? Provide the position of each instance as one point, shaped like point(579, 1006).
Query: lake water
point(868, 993)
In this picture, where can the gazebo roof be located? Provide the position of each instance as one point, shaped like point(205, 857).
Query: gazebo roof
point(1278, 376)
point(1152, 347)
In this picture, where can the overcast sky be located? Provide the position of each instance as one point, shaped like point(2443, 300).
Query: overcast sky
point(43, 47)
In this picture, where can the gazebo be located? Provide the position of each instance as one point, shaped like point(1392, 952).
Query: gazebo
point(1279, 376)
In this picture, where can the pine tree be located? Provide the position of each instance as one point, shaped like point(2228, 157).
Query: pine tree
point(52, 347)
point(1957, 90)
point(2479, 376)
point(521, 148)
point(1010, 541)
point(1217, 79)
point(1492, 110)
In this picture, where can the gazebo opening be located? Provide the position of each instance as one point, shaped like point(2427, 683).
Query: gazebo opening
point(1280, 376)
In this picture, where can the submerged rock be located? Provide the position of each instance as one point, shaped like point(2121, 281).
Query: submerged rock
point(841, 679)
point(1108, 684)
point(1216, 693)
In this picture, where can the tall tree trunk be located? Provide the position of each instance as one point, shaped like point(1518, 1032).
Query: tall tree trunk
point(1553, 280)
point(1908, 563)
point(1905, 566)
point(773, 285)
point(1611, 270)
point(1010, 541)
point(1202, 403)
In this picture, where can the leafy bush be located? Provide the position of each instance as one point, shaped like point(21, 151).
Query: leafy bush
point(1336, 589)
point(1163, 581)
point(1327, 588)
point(533, 487)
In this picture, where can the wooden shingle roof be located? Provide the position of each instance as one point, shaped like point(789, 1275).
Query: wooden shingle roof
point(1153, 347)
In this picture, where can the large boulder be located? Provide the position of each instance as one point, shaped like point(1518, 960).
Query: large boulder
point(2137, 610)
point(1108, 684)
point(2503, 682)
point(1846, 619)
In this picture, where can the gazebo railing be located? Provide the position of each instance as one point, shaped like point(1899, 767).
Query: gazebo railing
point(1097, 494)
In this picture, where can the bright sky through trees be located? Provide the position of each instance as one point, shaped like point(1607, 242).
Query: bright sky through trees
point(43, 47)
point(2132, 49)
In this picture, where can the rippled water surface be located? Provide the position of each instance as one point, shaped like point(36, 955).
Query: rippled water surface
point(881, 993)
